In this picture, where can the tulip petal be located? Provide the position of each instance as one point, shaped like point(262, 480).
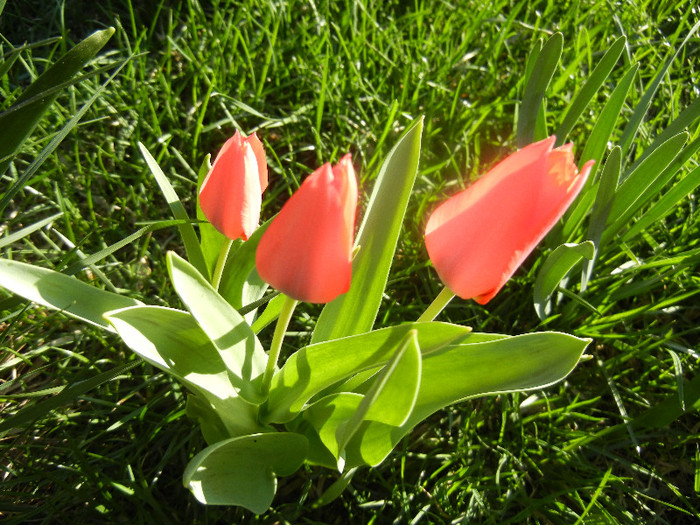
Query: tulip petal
point(478, 238)
point(231, 194)
point(306, 252)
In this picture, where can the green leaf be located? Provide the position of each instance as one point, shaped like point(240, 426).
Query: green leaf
point(595, 149)
point(242, 471)
point(665, 204)
point(236, 343)
point(61, 292)
point(172, 341)
point(271, 312)
point(590, 88)
point(189, 237)
point(211, 425)
point(464, 371)
point(16, 126)
point(642, 184)
point(240, 283)
point(533, 95)
point(354, 312)
point(55, 141)
point(318, 366)
point(558, 264)
point(601, 209)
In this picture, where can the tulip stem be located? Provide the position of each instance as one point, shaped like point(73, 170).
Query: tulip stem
point(438, 304)
point(282, 323)
point(221, 264)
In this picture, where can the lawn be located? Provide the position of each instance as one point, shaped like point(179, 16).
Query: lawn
point(89, 432)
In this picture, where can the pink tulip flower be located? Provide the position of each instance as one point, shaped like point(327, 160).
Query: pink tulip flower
point(479, 237)
point(231, 194)
point(306, 252)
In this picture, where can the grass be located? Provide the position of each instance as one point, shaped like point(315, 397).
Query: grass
point(611, 444)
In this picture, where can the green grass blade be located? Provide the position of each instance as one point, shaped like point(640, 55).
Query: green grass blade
point(642, 184)
point(640, 110)
point(67, 395)
point(14, 237)
point(533, 95)
point(665, 205)
point(189, 237)
point(51, 147)
point(355, 311)
point(590, 88)
point(595, 148)
point(15, 127)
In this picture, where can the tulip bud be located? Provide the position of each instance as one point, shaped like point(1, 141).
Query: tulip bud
point(306, 251)
point(231, 194)
point(479, 237)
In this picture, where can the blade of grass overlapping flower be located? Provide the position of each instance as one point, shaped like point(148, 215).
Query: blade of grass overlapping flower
point(61, 292)
point(56, 140)
point(595, 148)
point(530, 109)
point(642, 107)
point(464, 371)
point(355, 311)
point(189, 237)
point(16, 126)
point(584, 96)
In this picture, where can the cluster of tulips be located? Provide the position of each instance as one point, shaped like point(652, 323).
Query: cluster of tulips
point(476, 239)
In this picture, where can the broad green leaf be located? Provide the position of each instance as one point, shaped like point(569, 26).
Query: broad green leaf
point(533, 94)
point(236, 343)
point(242, 471)
point(555, 268)
point(319, 366)
point(55, 141)
point(172, 341)
point(16, 126)
point(326, 416)
point(61, 292)
point(666, 204)
point(354, 312)
point(464, 371)
point(19, 234)
point(67, 395)
point(595, 149)
point(189, 237)
point(642, 107)
point(642, 184)
point(589, 89)
point(210, 423)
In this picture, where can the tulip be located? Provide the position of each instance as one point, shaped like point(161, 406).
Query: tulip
point(231, 194)
point(479, 237)
point(306, 251)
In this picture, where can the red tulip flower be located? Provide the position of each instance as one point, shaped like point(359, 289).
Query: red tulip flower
point(231, 194)
point(478, 238)
point(306, 252)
